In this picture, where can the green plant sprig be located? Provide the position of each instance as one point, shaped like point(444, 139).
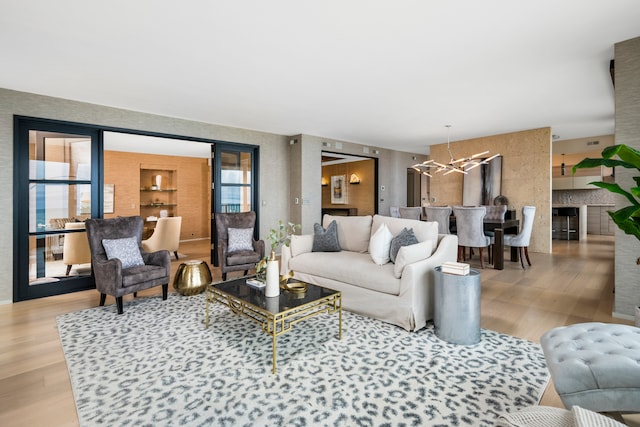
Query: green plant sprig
point(282, 235)
point(628, 217)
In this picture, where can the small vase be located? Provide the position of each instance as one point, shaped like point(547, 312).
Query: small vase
point(272, 289)
point(159, 181)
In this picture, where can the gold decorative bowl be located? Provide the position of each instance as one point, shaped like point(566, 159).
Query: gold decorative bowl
point(192, 277)
point(288, 283)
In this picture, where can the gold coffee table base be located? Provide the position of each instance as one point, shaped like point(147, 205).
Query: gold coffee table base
point(275, 322)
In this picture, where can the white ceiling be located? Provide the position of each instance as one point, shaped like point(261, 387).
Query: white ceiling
point(384, 73)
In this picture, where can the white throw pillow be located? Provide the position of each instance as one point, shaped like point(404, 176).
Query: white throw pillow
point(379, 245)
point(410, 254)
point(301, 244)
point(125, 249)
point(240, 239)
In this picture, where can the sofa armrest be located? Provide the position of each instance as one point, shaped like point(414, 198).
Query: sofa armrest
point(418, 278)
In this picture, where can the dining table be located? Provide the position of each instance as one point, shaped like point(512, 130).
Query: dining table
point(499, 228)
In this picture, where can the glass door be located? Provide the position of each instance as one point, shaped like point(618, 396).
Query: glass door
point(234, 185)
point(57, 187)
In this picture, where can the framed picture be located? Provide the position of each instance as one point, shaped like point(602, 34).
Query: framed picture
point(338, 189)
point(109, 190)
point(482, 184)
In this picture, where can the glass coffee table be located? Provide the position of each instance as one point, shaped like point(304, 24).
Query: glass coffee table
point(276, 315)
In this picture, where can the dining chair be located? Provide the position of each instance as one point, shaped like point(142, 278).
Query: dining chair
point(166, 236)
point(394, 212)
point(521, 240)
point(76, 246)
point(410, 212)
point(441, 215)
point(470, 226)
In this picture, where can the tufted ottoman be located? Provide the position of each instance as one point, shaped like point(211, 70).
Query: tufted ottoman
point(595, 365)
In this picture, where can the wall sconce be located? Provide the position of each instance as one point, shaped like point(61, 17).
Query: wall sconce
point(324, 182)
point(354, 179)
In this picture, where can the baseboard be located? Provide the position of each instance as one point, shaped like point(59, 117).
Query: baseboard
point(5, 301)
point(623, 316)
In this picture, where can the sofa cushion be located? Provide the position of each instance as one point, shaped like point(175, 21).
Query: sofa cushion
point(353, 231)
point(301, 244)
point(325, 240)
point(348, 267)
point(240, 239)
point(125, 249)
point(410, 254)
point(380, 244)
point(424, 230)
point(405, 238)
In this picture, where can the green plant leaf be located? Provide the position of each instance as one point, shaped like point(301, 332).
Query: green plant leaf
point(627, 219)
point(625, 153)
point(592, 163)
point(615, 188)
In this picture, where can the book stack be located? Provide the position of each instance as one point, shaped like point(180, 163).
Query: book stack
point(255, 283)
point(458, 268)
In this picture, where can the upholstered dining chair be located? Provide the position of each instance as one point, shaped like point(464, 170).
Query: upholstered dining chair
point(521, 240)
point(441, 215)
point(410, 212)
point(394, 212)
point(76, 246)
point(166, 235)
point(120, 265)
point(237, 249)
point(470, 230)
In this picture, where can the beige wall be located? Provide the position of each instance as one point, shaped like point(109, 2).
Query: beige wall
point(627, 96)
point(192, 183)
point(360, 196)
point(274, 182)
point(526, 176)
point(305, 178)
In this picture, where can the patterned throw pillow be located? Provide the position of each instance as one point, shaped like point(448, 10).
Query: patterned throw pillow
point(325, 240)
point(405, 238)
point(240, 239)
point(125, 249)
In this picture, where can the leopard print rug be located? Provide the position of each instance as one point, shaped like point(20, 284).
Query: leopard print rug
point(157, 365)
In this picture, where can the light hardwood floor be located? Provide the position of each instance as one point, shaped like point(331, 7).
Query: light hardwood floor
point(573, 285)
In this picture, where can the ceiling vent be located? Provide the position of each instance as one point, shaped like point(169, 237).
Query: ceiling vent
point(593, 143)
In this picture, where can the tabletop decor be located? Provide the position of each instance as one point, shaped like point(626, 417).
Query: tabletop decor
point(277, 237)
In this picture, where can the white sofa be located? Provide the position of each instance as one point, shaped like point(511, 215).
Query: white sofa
point(392, 293)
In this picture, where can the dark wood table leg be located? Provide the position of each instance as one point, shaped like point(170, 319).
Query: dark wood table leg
point(498, 249)
point(514, 254)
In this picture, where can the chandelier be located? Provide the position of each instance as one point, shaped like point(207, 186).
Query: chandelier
point(462, 165)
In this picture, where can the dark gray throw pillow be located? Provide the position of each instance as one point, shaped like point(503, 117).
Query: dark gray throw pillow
point(325, 240)
point(405, 238)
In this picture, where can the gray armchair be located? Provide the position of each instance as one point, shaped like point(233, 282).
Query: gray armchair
point(111, 278)
point(470, 226)
point(242, 259)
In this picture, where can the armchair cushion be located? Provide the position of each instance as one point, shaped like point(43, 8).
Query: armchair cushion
point(125, 249)
point(240, 239)
point(326, 240)
point(405, 238)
